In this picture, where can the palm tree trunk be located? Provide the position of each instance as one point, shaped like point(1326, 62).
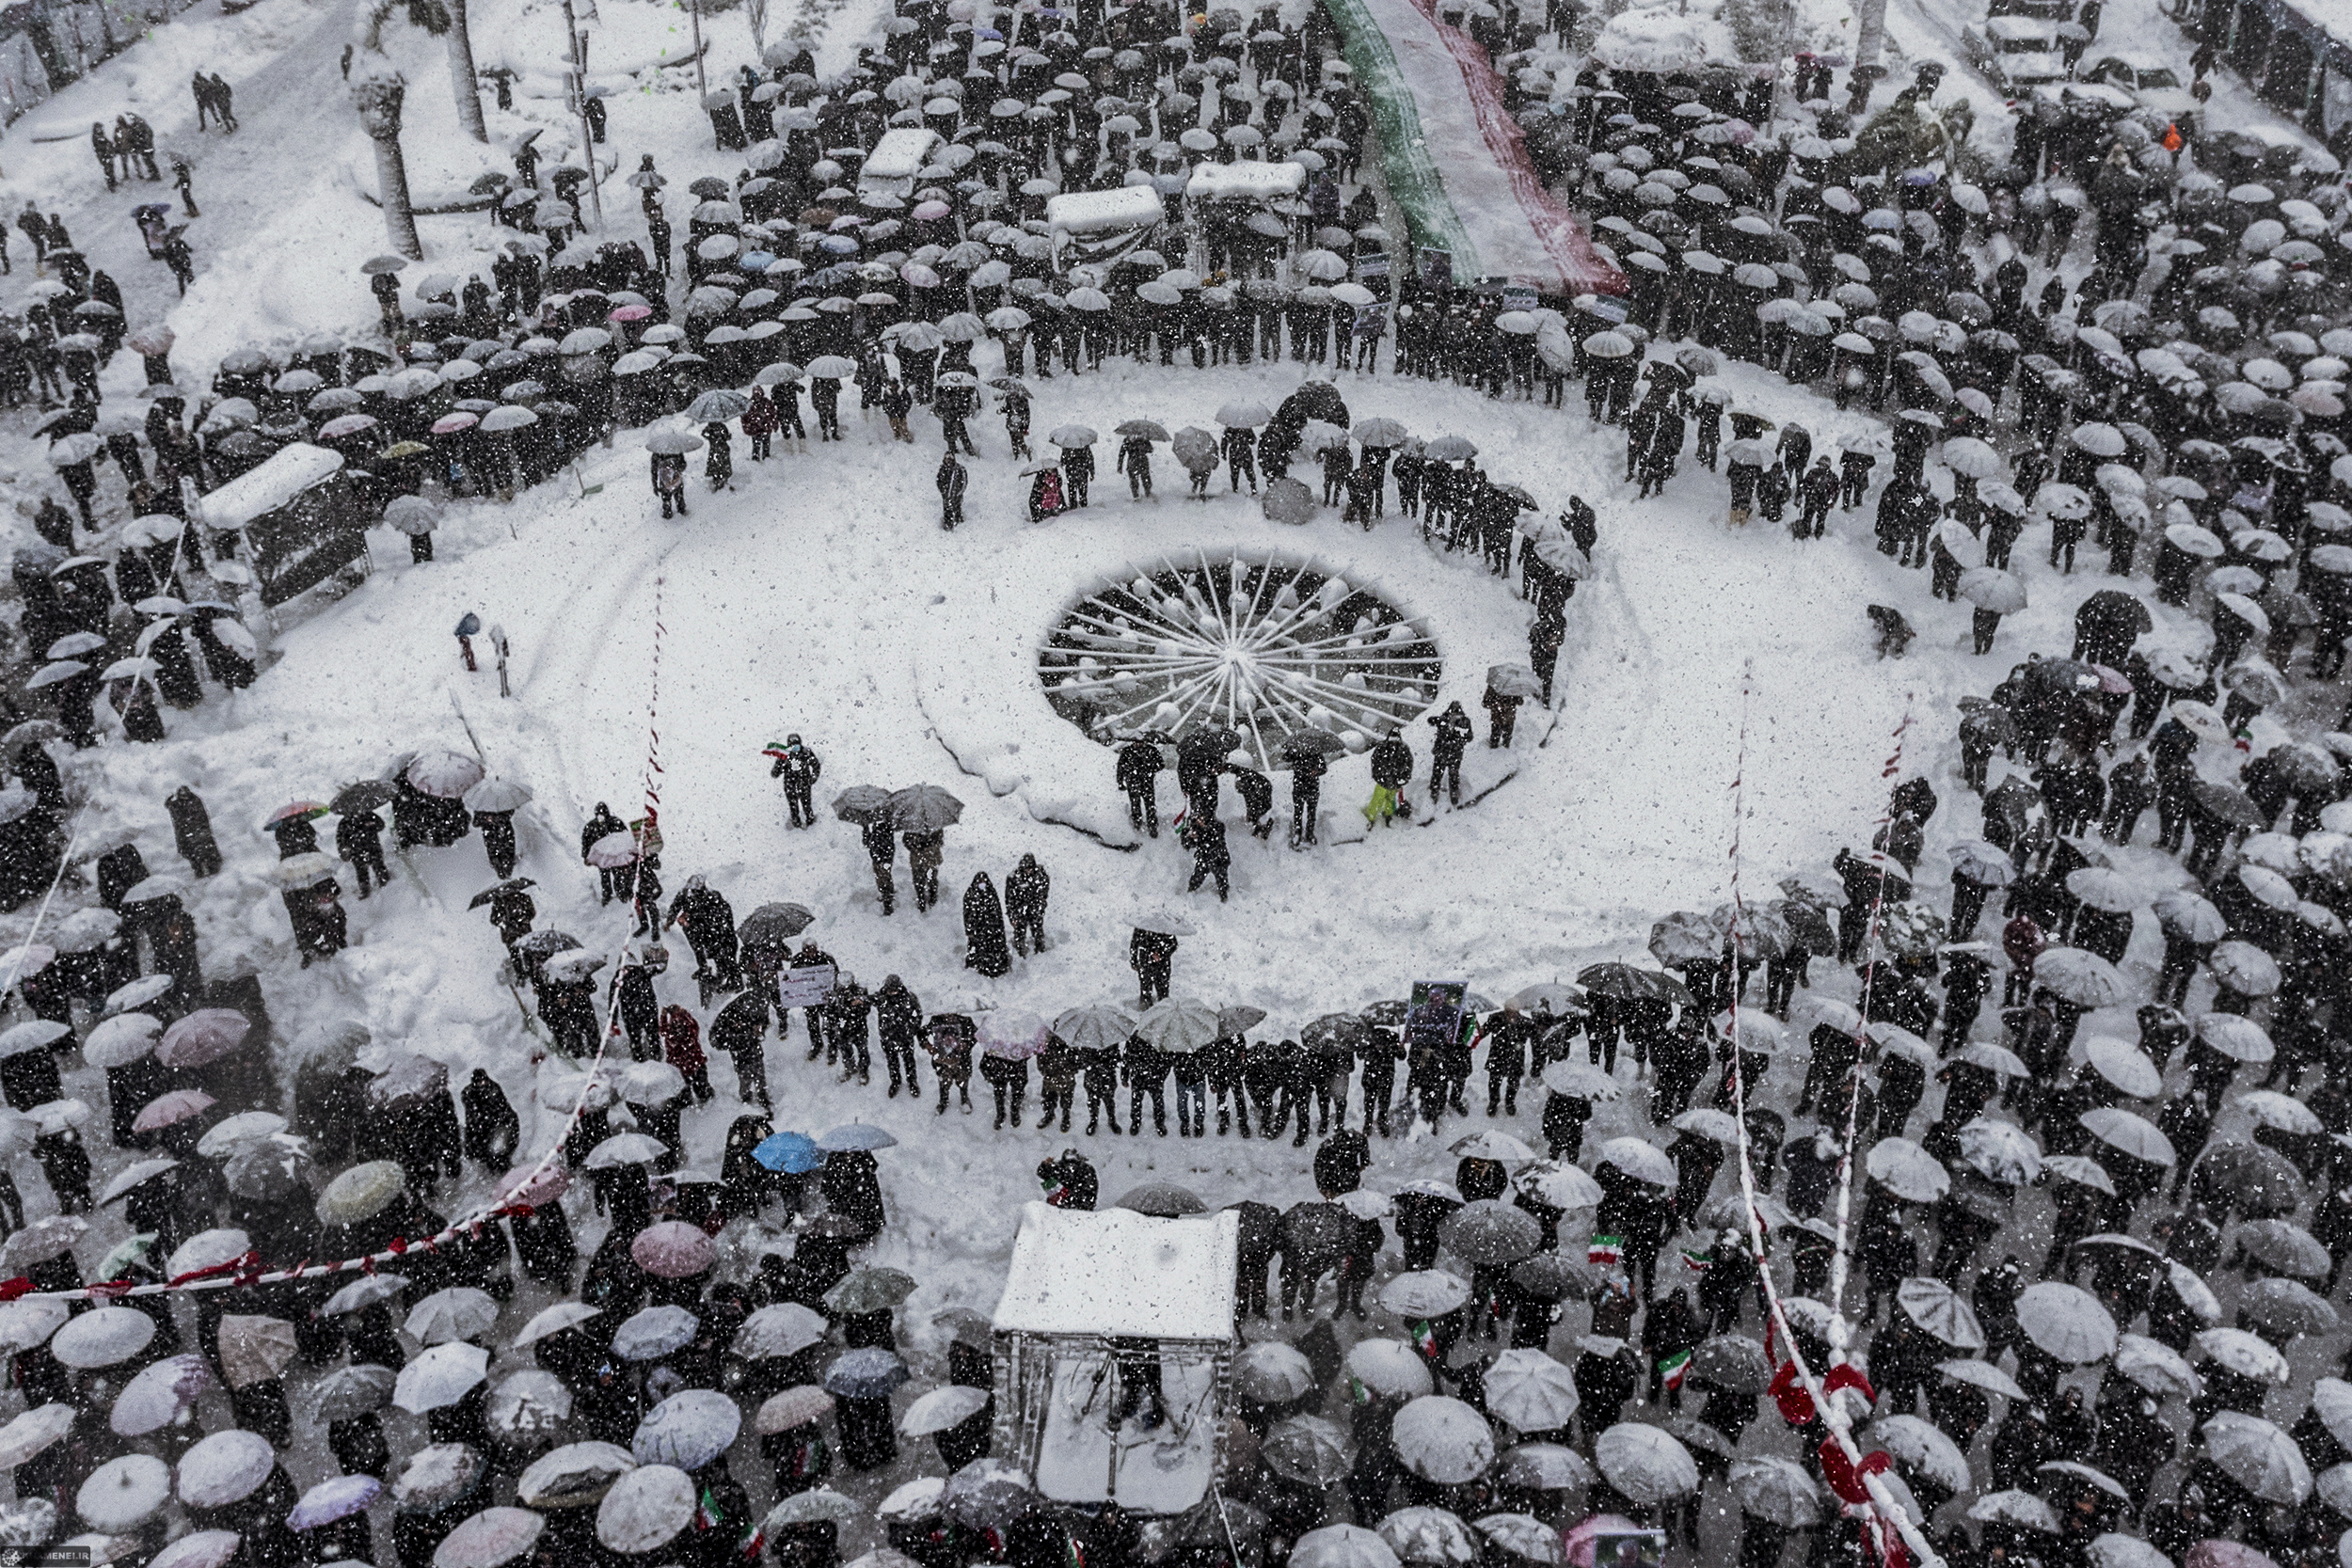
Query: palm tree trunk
point(379, 99)
point(461, 74)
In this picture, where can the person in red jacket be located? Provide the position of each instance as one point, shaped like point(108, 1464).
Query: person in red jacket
point(760, 423)
point(2023, 941)
point(682, 1048)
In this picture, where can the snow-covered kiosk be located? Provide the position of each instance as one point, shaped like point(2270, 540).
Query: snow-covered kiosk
point(1085, 1290)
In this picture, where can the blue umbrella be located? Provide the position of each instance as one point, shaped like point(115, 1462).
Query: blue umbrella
point(871, 1373)
point(839, 244)
point(755, 260)
point(794, 1153)
point(855, 1136)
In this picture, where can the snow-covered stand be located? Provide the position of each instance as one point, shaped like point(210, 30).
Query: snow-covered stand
point(299, 517)
point(1100, 226)
point(1078, 1282)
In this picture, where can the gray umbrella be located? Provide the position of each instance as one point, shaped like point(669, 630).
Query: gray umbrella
point(1305, 1448)
point(923, 807)
point(350, 1391)
point(1491, 1233)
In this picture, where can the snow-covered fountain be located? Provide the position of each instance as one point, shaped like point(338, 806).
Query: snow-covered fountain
point(1263, 644)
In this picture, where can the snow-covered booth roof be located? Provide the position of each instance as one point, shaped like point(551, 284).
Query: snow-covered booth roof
point(279, 479)
point(1246, 182)
point(1094, 212)
point(1118, 1272)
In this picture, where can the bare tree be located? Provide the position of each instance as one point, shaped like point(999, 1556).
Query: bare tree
point(378, 95)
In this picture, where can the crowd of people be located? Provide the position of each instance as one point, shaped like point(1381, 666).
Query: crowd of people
point(2183, 393)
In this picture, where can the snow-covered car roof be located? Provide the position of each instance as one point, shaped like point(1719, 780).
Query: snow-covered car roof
point(1122, 1274)
point(2017, 29)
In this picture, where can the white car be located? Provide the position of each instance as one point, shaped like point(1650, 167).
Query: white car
point(2015, 53)
point(2153, 83)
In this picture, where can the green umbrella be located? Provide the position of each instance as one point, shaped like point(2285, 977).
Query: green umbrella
point(361, 1193)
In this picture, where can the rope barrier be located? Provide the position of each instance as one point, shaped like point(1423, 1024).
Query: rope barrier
point(1883, 1509)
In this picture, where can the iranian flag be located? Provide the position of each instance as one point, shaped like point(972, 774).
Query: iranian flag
point(1673, 1369)
point(1697, 1263)
point(1425, 1341)
point(1605, 1251)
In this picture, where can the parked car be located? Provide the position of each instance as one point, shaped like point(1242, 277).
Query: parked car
point(2041, 11)
point(2153, 83)
point(2015, 53)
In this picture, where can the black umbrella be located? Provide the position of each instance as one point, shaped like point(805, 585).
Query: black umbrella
point(1627, 983)
point(514, 884)
point(1733, 1361)
point(1342, 1031)
point(355, 800)
point(1549, 1276)
point(773, 925)
point(2227, 804)
point(540, 945)
point(1312, 743)
point(861, 802)
point(923, 807)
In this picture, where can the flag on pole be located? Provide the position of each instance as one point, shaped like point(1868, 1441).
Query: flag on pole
point(1605, 1252)
point(1672, 1370)
point(1425, 1340)
point(1696, 1261)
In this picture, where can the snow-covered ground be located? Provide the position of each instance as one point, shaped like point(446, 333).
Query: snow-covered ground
point(819, 595)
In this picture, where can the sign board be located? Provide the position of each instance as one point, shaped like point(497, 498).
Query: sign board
point(1518, 298)
point(808, 986)
point(1433, 1015)
point(1435, 267)
point(1370, 264)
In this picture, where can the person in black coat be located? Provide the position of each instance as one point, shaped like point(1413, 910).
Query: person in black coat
point(1026, 893)
point(882, 851)
point(1140, 763)
point(192, 831)
point(493, 1131)
point(612, 881)
point(953, 479)
point(359, 839)
point(1152, 955)
point(985, 946)
point(709, 924)
point(1307, 771)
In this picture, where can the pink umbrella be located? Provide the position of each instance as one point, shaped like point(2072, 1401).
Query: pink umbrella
point(537, 1187)
point(930, 212)
point(168, 1110)
point(1579, 1537)
point(205, 1035)
point(674, 1249)
point(628, 313)
point(450, 424)
point(346, 424)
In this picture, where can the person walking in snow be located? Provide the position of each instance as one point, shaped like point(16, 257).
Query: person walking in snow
point(985, 947)
point(797, 767)
point(1152, 955)
point(359, 839)
point(1455, 733)
point(953, 477)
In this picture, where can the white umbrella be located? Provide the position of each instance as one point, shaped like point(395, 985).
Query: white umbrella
point(225, 1468)
point(2012, 1507)
point(1907, 1170)
point(460, 1312)
point(2258, 1456)
point(1530, 1390)
point(29, 1434)
point(1431, 1536)
point(2000, 1151)
point(2157, 1366)
point(441, 1376)
point(2247, 1355)
point(2067, 1321)
point(105, 1338)
point(489, 1538)
point(1272, 1373)
point(556, 1319)
point(944, 1408)
point(688, 1430)
point(1646, 1463)
point(786, 1329)
point(1641, 1160)
point(123, 1494)
point(1442, 1440)
point(1341, 1547)
point(645, 1509)
point(1926, 1448)
point(1389, 1366)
